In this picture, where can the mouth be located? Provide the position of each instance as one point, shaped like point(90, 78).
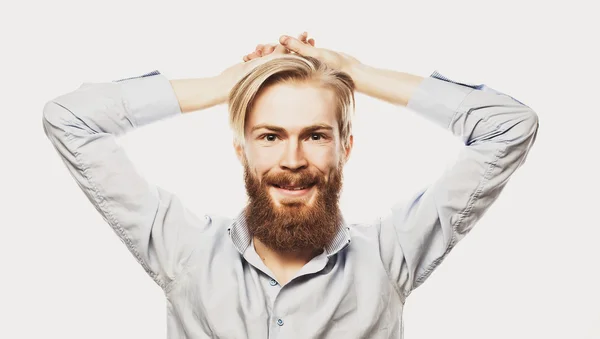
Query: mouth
point(293, 190)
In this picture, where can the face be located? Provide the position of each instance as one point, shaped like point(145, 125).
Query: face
point(293, 160)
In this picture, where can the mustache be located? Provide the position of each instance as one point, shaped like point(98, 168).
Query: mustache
point(305, 178)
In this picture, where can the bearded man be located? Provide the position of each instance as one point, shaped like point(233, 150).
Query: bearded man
point(289, 265)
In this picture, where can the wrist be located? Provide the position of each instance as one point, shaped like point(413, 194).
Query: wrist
point(226, 80)
point(199, 93)
point(357, 72)
point(222, 85)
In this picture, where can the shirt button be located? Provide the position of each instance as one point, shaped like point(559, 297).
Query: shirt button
point(273, 282)
point(280, 322)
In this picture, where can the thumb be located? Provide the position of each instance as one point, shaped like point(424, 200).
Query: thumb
point(296, 46)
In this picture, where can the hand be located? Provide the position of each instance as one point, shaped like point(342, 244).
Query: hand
point(263, 53)
point(230, 76)
point(336, 60)
point(266, 49)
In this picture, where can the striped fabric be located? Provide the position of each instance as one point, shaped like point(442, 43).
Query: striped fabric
point(155, 72)
point(481, 87)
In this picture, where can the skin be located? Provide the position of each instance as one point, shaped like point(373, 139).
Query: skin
point(293, 150)
point(293, 108)
point(293, 129)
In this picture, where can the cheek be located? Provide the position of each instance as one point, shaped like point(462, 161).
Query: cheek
point(323, 153)
point(262, 159)
point(324, 158)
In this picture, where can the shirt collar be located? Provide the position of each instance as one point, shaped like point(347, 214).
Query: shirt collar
point(239, 234)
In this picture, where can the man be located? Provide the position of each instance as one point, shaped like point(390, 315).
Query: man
point(289, 265)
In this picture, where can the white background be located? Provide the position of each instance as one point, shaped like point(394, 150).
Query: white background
point(528, 270)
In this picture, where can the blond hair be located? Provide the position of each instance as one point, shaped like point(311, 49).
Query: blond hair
point(292, 69)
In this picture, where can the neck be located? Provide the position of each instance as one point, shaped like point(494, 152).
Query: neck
point(284, 264)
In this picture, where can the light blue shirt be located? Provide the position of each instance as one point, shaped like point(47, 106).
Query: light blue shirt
point(215, 284)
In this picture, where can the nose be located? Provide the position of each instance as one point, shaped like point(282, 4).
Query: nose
point(293, 157)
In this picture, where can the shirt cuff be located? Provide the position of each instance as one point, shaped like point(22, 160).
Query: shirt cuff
point(438, 98)
point(149, 98)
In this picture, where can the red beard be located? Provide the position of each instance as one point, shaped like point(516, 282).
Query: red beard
point(294, 225)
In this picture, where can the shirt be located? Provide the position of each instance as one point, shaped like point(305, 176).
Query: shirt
point(215, 284)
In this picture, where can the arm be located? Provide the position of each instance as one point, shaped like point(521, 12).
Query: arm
point(83, 126)
point(199, 93)
point(391, 86)
point(497, 131)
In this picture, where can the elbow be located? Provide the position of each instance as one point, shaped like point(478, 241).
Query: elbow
point(531, 122)
point(523, 137)
point(52, 112)
point(523, 126)
point(54, 118)
point(529, 128)
point(515, 127)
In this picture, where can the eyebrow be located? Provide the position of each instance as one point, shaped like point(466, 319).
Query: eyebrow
point(282, 130)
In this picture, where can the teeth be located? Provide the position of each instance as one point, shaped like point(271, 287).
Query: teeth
point(293, 188)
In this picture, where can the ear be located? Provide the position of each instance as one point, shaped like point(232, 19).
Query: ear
point(348, 150)
point(239, 151)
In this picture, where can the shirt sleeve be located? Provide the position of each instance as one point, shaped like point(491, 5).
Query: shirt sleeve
point(83, 126)
point(498, 132)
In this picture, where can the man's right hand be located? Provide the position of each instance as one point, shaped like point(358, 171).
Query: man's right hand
point(336, 60)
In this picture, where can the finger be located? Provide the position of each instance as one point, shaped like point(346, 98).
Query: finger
point(259, 46)
point(280, 49)
point(311, 41)
point(296, 46)
point(252, 56)
point(302, 37)
point(268, 49)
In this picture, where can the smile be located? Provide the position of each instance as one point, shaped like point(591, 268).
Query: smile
point(293, 191)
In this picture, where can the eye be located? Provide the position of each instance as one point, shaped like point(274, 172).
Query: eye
point(318, 136)
point(269, 137)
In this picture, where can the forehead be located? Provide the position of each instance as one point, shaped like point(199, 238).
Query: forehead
point(293, 106)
